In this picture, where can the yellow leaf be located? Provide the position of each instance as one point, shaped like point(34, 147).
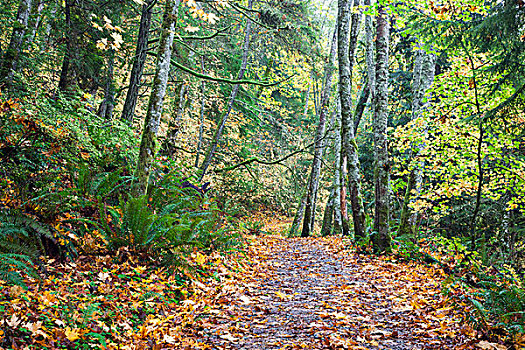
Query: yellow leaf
point(200, 259)
point(72, 334)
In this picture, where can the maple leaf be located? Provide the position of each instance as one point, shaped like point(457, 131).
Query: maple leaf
point(191, 29)
point(245, 300)
point(229, 337)
point(72, 334)
point(14, 321)
point(485, 345)
point(102, 44)
point(169, 339)
point(200, 259)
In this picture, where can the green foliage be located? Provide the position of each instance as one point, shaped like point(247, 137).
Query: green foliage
point(252, 227)
point(502, 303)
point(21, 243)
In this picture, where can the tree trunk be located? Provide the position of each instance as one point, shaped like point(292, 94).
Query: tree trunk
point(299, 215)
point(107, 106)
point(346, 47)
point(305, 113)
point(201, 122)
point(361, 104)
point(370, 52)
point(309, 215)
point(35, 19)
point(66, 62)
point(340, 216)
point(148, 145)
point(218, 133)
point(128, 110)
point(10, 62)
point(423, 77)
point(175, 123)
point(381, 237)
point(328, 217)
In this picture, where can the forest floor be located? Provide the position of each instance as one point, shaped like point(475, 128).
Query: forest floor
point(316, 294)
point(275, 293)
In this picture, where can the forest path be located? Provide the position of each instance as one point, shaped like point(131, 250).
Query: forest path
point(315, 294)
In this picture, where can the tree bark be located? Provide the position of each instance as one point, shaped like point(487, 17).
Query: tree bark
point(423, 77)
point(370, 52)
point(381, 236)
point(149, 142)
point(128, 111)
point(107, 105)
point(328, 217)
point(35, 20)
point(10, 62)
point(299, 215)
point(174, 125)
point(201, 122)
point(66, 62)
point(347, 40)
point(340, 215)
point(218, 133)
point(309, 215)
point(361, 104)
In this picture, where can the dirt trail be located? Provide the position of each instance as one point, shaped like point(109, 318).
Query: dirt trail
point(315, 294)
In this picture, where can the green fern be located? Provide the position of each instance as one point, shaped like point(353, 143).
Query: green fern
point(20, 244)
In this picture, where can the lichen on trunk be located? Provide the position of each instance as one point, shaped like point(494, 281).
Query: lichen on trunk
point(149, 142)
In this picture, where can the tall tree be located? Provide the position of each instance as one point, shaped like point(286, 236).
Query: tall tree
point(107, 105)
point(10, 61)
point(381, 236)
point(149, 142)
point(233, 95)
point(347, 40)
point(320, 142)
point(422, 79)
point(201, 120)
point(128, 111)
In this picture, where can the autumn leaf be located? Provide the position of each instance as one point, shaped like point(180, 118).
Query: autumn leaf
point(72, 334)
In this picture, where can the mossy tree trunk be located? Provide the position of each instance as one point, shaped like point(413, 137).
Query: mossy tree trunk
point(423, 77)
point(320, 143)
point(347, 40)
point(35, 19)
point(233, 95)
point(10, 61)
point(381, 236)
point(328, 217)
point(107, 105)
point(339, 216)
point(201, 121)
point(63, 83)
point(175, 123)
point(128, 111)
point(149, 142)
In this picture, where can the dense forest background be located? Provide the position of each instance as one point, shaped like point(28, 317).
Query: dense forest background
point(151, 128)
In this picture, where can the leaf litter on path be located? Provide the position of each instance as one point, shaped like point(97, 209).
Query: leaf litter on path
point(279, 293)
point(314, 293)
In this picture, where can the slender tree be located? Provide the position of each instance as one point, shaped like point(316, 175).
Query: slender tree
point(347, 40)
point(107, 105)
point(201, 121)
point(233, 95)
point(422, 79)
point(128, 111)
point(63, 83)
point(340, 215)
point(149, 143)
point(381, 236)
point(10, 61)
point(309, 215)
point(174, 125)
